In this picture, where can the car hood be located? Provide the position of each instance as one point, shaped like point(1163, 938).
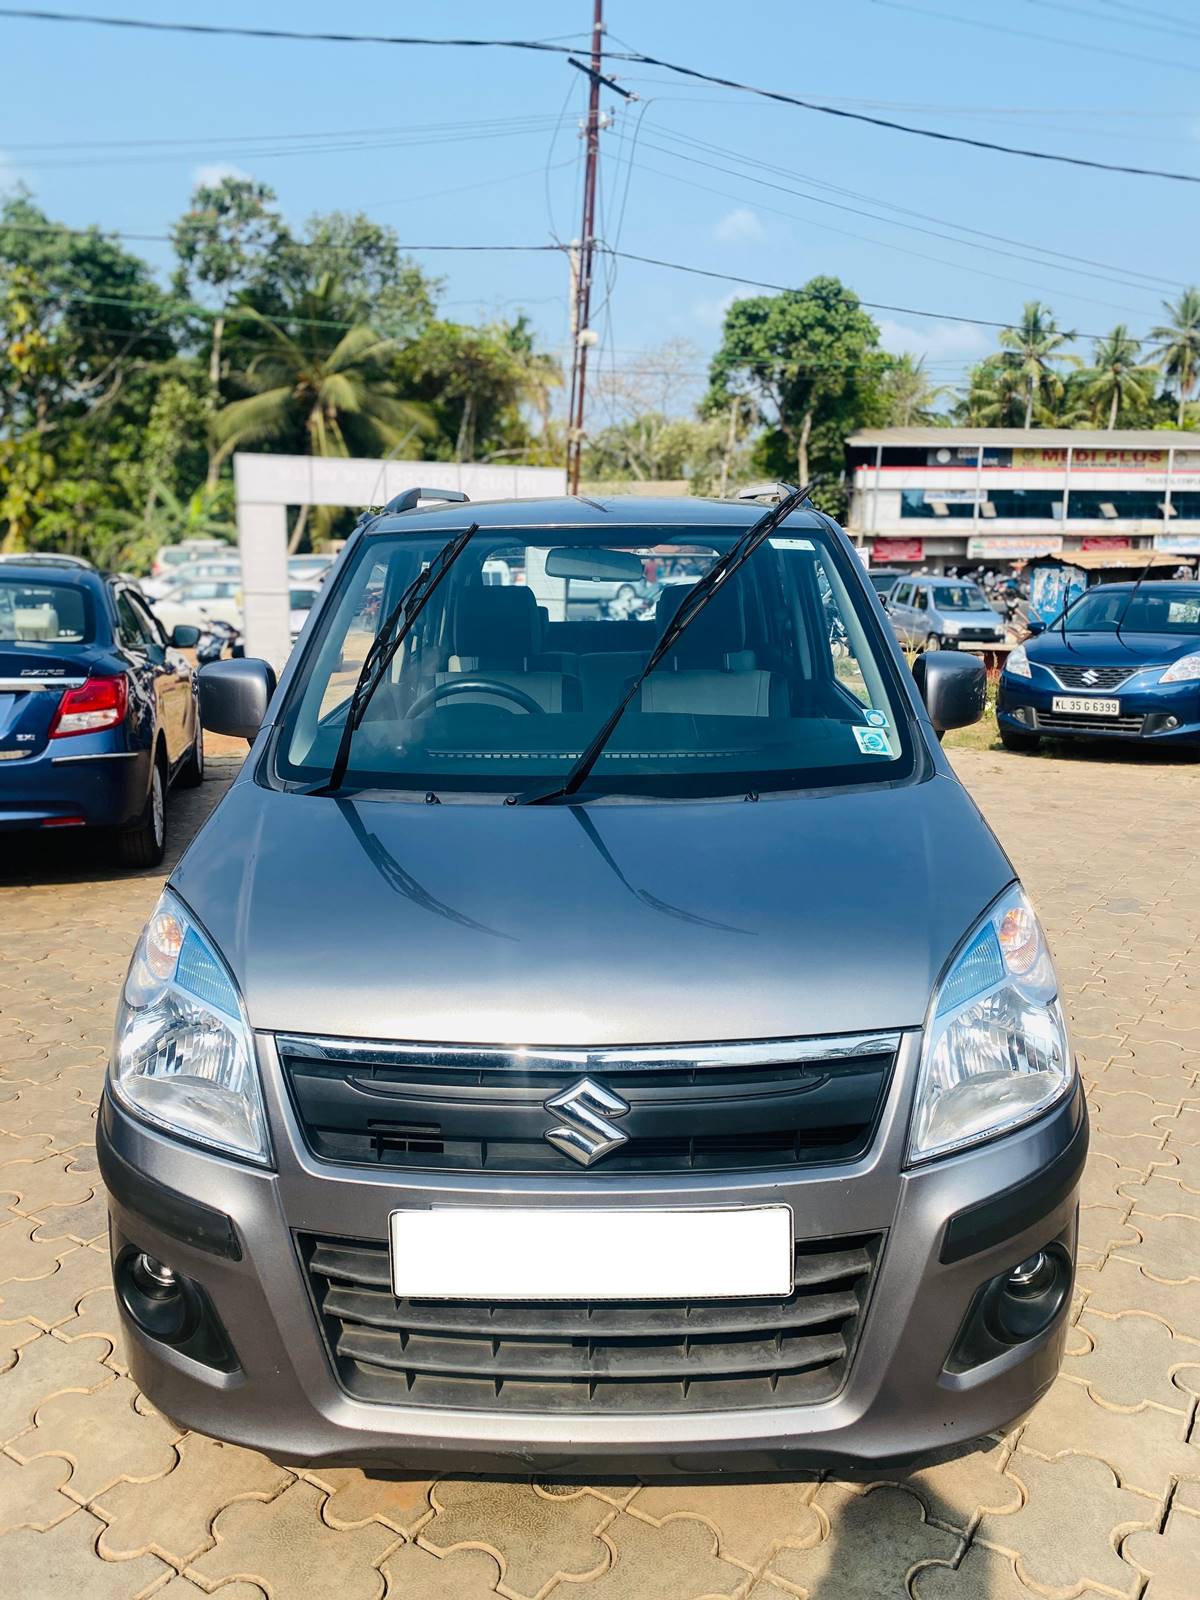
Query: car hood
point(1105, 649)
point(605, 925)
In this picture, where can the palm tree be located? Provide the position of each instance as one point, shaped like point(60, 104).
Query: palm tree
point(1179, 344)
point(321, 379)
point(1115, 379)
point(910, 395)
point(1033, 351)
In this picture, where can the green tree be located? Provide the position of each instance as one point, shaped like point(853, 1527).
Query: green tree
point(811, 358)
point(223, 242)
point(475, 381)
point(319, 384)
point(377, 283)
point(908, 393)
point(1033, 352)
point(1179, 346)
point(1116, 381)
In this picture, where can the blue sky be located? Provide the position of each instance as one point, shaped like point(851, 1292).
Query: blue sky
point(473, 146)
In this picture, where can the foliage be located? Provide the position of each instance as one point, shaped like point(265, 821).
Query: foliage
point(909, 396)
point(1179, 346)
point(1032, 355)
point(810, 358)
point(1116, 382)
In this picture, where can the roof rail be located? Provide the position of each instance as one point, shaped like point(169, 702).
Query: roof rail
point(411, 498)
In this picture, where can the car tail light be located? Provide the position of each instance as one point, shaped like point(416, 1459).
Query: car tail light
point(98, 703)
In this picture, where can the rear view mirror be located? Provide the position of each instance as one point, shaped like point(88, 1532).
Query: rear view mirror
point(184, 636)
point(234, 696)
point(1036, 625)
point(599, 565)
point(953, 686)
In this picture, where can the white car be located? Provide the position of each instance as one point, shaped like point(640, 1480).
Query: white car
point(301, 599)
point(195, 600)
point(169, 559)
point(193, 572)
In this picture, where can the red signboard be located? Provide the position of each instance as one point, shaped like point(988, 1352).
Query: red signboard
point(1106, 541)
point(898, 550)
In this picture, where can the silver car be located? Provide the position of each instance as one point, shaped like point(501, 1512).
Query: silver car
point(592, 1043)
point(936, 613)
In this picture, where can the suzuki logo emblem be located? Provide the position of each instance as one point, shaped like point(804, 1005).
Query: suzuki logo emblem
point(1090, 676)
point(586, 1131)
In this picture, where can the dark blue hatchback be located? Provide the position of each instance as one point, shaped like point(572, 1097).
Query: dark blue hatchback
point(1123, 662)
point(98, 710)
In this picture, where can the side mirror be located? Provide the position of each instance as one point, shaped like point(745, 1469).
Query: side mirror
point(234, 696)
point(1036, 625)
point(184, 636)
point(953, 686)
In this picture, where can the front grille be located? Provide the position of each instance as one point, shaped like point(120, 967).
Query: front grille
point(696, 1108)
point(707, 1355)
point(1073, 677)
point(975, 634)
point(1071, 722)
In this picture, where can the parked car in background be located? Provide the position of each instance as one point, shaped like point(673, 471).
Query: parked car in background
point(196, 600)
point(224, 568)
point(169, 557)
point(46, 558)
point(494, 1084)
point(941, 613)
point(883, 579)
point(301, 599)
point(309, 568)
point(1122, 662)
point(98, 712)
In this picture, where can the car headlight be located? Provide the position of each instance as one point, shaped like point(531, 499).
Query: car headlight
point(1185, 670)
point(1018, 662)
point(996, 1052)
point(183, 1057)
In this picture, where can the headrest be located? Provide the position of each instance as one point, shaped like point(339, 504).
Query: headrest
point(718, 631)
point(496, 623)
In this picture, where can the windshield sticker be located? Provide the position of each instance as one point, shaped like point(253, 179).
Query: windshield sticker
point(873, 741)
point(790, 544)
point(876, 719)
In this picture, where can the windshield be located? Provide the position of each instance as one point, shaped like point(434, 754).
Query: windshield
point(883, 581)
point(780, 682)
point(1154, 608)
point(43, 613)
point(959, 597)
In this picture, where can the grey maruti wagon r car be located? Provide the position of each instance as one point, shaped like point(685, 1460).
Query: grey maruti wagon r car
point(575, 1040)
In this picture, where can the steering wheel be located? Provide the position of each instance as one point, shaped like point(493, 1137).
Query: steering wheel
point(457, 686)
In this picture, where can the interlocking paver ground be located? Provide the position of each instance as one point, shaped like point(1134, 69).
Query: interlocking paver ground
point(1097, 1493)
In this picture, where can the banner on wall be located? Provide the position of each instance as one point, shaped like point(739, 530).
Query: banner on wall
point(898, 550)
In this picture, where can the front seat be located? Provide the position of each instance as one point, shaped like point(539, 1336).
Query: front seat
point(496, 634)
point(711, 672)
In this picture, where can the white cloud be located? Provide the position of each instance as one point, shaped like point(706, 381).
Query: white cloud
point(214, 171)
point(943, 341)
point(740, 226)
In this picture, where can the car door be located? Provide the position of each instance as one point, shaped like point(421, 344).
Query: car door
point(145, 695)
point(899, 610)
point(173, 682)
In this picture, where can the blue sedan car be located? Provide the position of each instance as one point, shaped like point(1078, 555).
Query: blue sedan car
point(98, 711)
point(1123, 662)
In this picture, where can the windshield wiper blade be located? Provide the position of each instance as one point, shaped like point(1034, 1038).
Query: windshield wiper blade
point(383, 651)
point(694, 603)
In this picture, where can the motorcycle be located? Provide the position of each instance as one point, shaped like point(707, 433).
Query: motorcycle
point(216, 638)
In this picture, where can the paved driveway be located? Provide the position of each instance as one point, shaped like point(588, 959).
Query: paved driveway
point(1099, 1492)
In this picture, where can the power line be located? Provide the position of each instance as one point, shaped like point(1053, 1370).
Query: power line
point(1181, 30)
point(638, 57)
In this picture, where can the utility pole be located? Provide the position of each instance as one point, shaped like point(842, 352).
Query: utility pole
point(582, 335)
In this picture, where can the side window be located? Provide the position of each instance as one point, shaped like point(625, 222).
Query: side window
point(921, 599)
point(129, 629)
point(150, 625)
point(843, 635)
point(901, 593)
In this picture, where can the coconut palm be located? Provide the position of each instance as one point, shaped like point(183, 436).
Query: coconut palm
point(1179, 345)
point(909, 393)
point(319, 379)
point(1033, 350)
point(1115, 379)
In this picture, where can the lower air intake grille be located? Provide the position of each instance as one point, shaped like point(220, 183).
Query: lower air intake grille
point(606, 1356)
point(1068, 722)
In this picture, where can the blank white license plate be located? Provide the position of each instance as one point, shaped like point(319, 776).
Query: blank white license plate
point(547, 1253)
point(1086, 705)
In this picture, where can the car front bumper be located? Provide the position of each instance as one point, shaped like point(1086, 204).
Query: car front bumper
point(1157, 713)
point(233, 1230)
